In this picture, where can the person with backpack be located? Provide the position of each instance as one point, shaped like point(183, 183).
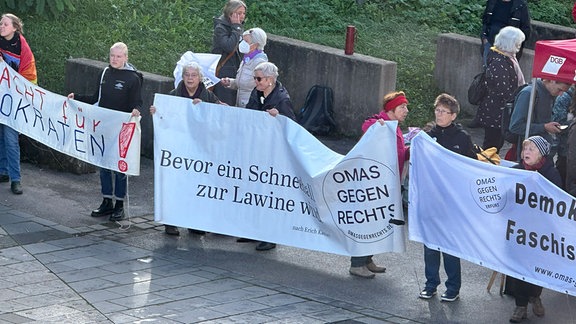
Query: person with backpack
point(503, 76)
point(541, 122)
point(119, 88)
point(394, 107)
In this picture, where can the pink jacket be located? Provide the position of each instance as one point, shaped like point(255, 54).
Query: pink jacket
point(402, 150)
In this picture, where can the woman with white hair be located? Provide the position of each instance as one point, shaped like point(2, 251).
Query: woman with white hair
point(503, 76)
point(269, 95)
point(252, 46)
point(193, 88)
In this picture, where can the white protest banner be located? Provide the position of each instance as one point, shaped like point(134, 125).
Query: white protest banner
point(208, 62)
point(103, 137)
point(513, 221)
point(245, 173)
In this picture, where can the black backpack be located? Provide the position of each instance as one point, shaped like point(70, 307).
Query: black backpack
point(317, 115)
point(478, 89)
point(507, 115)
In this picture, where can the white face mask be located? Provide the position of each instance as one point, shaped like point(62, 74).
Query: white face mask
point(244, 47)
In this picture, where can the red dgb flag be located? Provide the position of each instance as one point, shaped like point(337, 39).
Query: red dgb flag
point(555, 60)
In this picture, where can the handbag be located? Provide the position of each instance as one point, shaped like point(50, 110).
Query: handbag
point(478, 89)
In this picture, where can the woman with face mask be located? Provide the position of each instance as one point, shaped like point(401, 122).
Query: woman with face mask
point(252, 46)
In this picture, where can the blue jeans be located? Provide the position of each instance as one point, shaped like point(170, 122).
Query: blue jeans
point(9, 153)
point(487, 46)
point(111, 189)
point(432, 270)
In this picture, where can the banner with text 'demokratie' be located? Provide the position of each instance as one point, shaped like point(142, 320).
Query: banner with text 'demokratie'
point(513, 221)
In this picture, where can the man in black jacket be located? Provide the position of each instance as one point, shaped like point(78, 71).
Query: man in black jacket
point(499, 14)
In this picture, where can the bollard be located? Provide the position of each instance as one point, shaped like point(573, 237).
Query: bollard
point(350, 38)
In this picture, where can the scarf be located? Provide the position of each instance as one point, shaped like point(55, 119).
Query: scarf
point(536, 166)
point(512, 56)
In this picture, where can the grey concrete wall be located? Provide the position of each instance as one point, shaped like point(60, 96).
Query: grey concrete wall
point(359, 82)
point(542, 30)
point(458, 60)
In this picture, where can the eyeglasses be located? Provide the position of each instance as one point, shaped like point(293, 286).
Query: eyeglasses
point(442, 112)
point(258, 78)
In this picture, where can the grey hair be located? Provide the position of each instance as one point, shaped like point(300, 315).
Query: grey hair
point(268, 69)
point(193, 66)
point(509, 39)
point(258, 36)
point(231, 6)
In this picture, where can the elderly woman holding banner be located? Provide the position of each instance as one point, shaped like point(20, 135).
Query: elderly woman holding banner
point(534, 157)
point(269, 95)
point(394, 107)
point(452, 137)
point(190, 87)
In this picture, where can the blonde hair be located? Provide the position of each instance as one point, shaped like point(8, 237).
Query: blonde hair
point(16, 22)
point(121, 46)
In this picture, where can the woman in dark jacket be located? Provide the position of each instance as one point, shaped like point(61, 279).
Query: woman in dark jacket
point(499, 14)
point(535, 150)
point(269, 95)
point(503, 76)
point(228, 29)
point(190, 87)
point(453, 137)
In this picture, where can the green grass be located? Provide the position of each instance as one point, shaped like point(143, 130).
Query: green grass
point(158, 32)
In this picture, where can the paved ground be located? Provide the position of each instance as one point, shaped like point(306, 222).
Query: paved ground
point(59, 265)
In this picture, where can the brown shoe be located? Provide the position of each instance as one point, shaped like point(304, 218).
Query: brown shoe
point(374, 268)
point(362, 272)
point(520, 313)
point(537, 306)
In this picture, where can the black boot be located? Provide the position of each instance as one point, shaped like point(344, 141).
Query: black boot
point(106, 208)
point(118, 212)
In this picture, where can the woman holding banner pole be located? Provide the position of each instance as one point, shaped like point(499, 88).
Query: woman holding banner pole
point(534, 157)
point(394, 107)
point(16, 53)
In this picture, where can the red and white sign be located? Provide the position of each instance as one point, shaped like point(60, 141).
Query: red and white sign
point(555, 60)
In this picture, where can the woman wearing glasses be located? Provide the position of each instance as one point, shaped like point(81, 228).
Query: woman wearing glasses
point(252, 46)
point(453, 137)
point(271, 96)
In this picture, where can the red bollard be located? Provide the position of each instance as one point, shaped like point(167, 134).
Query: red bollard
point(350, 38)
